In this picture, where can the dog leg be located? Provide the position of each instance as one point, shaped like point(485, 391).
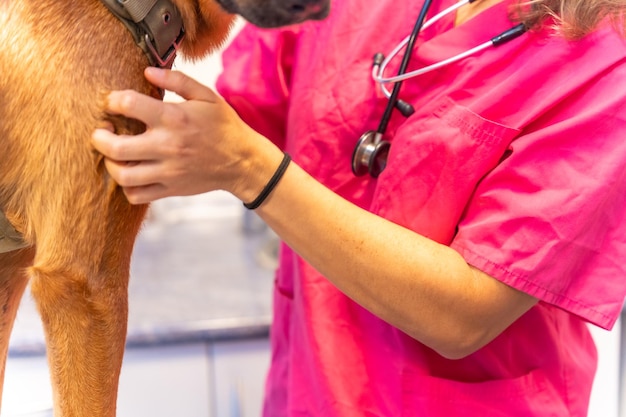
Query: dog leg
point(13, 280)
point(57, 186)
point(81, 294)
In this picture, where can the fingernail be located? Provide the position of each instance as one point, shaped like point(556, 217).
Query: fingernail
point(100, 133)
point(153, 71)
point(111, 97)
point(121, 100)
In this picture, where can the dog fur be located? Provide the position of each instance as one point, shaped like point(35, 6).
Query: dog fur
point(58, 61)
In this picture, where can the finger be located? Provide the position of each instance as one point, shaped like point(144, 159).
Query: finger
point(106, 124)
point(145, 194)
point(122, 148)
point(179, 83)
point(132, 174)
point(135, 105)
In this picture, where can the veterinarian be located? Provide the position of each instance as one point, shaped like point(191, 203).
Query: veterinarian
point(443, 253)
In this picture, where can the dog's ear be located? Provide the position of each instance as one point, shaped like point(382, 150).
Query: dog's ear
point(206, 27)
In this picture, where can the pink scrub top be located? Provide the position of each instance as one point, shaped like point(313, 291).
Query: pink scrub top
point(515, 157)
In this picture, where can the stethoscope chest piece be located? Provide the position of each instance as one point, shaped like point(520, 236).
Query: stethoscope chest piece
point(370, 154)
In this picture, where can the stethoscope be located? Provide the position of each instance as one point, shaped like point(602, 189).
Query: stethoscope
point(371, 151)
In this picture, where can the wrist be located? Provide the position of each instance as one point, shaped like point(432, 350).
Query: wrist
point(261, 172)
point(271, 184)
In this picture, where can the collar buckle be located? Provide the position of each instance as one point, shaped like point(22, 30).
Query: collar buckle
point(166, 60)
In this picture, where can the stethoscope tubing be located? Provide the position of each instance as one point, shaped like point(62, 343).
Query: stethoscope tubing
point(396, 78)
point(404, 42)
point(512, 33)
point(393, 97)
point(370, 153)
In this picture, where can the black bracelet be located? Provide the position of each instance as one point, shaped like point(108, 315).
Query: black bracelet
point(271, 184)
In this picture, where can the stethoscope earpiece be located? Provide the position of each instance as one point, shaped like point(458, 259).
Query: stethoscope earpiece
point(405, 108)
point(370, 154)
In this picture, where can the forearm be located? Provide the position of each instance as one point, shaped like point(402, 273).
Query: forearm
point(424, 288)
point(421, 287)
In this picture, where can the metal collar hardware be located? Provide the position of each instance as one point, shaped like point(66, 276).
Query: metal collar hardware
point(156, 26)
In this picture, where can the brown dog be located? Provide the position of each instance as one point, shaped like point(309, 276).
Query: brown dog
point(57, 63)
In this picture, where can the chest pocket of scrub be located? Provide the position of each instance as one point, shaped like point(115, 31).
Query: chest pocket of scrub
point(437, 158)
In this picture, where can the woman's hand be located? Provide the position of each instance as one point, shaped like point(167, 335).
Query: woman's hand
point(192, 147)
point(423, 288)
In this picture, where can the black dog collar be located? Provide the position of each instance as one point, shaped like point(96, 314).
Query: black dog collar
point(156, 26)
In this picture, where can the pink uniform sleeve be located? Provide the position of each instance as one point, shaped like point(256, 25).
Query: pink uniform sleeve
point(550, 220)
point(256, 80)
